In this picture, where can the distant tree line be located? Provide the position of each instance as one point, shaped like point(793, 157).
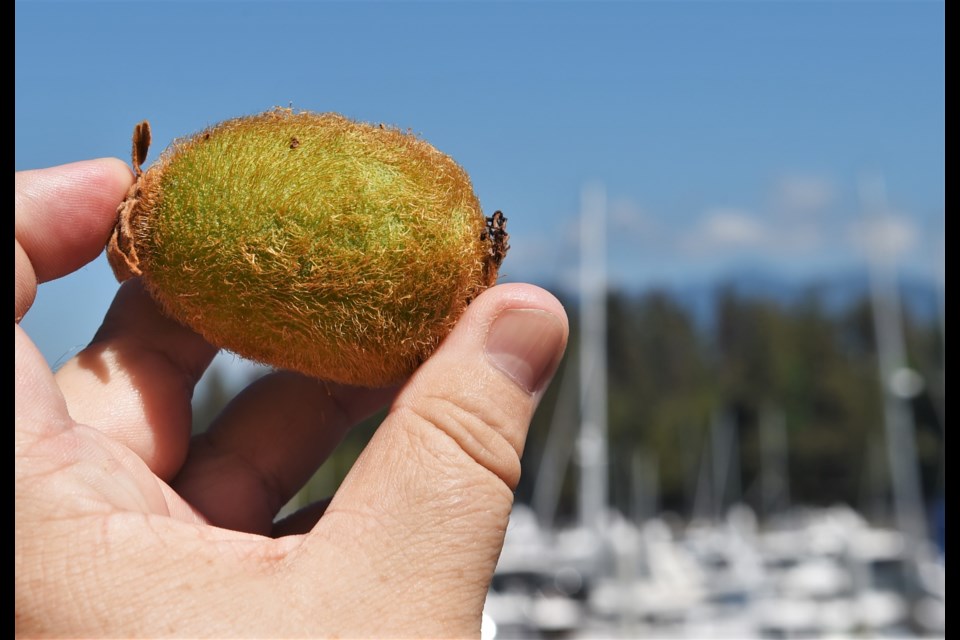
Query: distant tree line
point(803, 372)
point(813, 369)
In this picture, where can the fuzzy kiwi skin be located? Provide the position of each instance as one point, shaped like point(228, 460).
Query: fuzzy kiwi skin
point(309, 242)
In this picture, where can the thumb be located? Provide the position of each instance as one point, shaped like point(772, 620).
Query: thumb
point(427, 503)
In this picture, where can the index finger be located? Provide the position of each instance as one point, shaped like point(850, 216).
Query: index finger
point(63, 217)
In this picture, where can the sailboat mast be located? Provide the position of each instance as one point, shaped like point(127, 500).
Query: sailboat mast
point(892, 357)
point(592, 441)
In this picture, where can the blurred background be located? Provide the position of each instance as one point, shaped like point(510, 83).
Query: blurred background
point(742, 207)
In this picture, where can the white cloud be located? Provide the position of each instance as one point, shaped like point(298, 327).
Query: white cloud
point(725, 228)
point(887, 237)
point(787, 234)
point(731, 230)
point(803, 194)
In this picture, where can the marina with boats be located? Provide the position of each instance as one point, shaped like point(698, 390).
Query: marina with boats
point(723, 572)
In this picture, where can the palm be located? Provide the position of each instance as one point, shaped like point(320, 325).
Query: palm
point(239, 473)
point(109, 476)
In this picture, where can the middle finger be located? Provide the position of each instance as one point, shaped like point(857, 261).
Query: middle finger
point(266, 444)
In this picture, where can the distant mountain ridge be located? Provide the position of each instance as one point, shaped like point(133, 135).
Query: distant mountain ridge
point(837, 293)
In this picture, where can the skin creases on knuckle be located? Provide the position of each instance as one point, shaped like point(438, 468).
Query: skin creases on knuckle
point(479, 431)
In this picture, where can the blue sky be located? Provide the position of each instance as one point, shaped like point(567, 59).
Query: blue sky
point(726, 133)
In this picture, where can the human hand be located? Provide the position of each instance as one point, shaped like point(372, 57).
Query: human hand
point(127, 527)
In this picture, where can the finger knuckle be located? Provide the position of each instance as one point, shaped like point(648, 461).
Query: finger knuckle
point(479, 430)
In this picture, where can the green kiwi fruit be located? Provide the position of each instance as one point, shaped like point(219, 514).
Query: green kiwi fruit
point(308, 241)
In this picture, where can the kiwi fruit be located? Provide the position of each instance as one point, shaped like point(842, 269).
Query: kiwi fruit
point(308, 241)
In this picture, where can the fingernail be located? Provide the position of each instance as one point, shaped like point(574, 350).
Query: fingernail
point(525, 344)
